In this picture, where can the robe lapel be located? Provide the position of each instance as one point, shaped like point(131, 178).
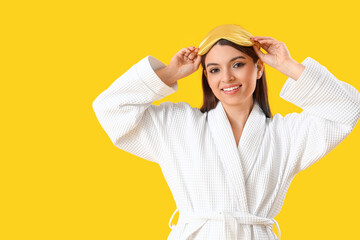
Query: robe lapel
point(237, 160)
point(251, 139)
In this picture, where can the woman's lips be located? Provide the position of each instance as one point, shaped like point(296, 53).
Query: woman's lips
point(232, 91)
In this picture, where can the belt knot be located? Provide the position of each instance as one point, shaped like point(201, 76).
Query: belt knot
point(238, 217)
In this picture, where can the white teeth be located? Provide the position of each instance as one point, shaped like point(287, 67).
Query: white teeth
point(229, 89)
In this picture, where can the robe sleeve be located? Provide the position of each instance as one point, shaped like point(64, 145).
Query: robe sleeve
point(126, 113)
point(331, 109)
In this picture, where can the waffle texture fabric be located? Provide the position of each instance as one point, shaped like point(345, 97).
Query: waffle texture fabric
point(223, 190)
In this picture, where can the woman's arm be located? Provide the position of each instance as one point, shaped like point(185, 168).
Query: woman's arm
point(292, 69)
point(331, 109)
point(166, 76)
point(125, 109)
point(126, 113)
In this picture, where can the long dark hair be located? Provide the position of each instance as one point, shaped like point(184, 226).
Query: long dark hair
point(260, 94)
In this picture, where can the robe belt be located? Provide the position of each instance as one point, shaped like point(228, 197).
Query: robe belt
point(237, 217)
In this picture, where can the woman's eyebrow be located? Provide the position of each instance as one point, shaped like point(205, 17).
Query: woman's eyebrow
point(229, 61)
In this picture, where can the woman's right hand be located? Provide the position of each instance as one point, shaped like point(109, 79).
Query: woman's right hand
point(184, 62)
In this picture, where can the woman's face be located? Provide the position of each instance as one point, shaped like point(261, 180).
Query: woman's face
point(226, 66)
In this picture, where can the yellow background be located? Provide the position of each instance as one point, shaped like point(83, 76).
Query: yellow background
point(61, 177)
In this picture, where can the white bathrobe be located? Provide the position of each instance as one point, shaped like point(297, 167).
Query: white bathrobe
point(224, 191)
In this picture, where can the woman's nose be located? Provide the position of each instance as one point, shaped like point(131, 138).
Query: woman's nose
point(228, 76)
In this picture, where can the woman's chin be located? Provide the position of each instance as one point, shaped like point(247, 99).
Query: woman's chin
point(234, 101)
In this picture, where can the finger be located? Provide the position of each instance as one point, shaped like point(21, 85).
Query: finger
point(257, 44)
point(193, 54)
point(266, 40)
point(265, 47)
point(258, 52)
point(187, 52)
point(186, 49)
point(191, 48)
point(261, 37)
point(183, 51)
point(197, 60)
point(266, 43)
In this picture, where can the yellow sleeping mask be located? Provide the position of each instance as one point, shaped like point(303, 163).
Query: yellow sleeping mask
point(231, 32)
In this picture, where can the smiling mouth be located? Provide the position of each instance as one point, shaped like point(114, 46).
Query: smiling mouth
point(236, 87)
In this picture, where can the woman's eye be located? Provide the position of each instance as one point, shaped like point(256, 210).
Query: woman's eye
point(240, 64)
point(236, 64)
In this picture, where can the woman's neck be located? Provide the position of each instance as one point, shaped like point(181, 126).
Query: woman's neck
point(238, 114)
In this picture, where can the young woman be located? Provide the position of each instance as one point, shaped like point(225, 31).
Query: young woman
point(230, 163)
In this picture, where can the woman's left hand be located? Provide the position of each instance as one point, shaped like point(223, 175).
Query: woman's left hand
point(277, 56)
point(277, 52)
